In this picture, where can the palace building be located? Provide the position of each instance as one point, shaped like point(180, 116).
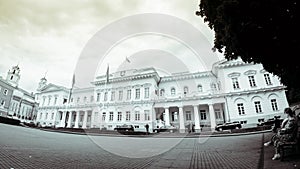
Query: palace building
point(231, 91)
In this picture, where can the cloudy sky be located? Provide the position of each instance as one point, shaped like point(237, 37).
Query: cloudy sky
point(49, 36)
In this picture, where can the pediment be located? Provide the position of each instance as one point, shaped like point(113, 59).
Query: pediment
point(230, 63)
point(52, 88)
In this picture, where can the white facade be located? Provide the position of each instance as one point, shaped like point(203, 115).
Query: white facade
point(231, 91)
point(21, 104)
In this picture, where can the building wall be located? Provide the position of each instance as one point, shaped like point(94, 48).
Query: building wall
point(6, 92)
point(216, 101)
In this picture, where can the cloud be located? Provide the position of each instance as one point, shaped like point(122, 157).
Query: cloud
point(44, 35)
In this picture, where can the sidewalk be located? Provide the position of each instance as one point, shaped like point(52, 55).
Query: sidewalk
point(290, 162)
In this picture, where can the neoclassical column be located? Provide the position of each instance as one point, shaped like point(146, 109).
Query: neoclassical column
point(167, 116)
point(181, 120)
point(196, 118)
point(69, 119)
point(77, 120)
point(54, 118)
point(84, 119)
point(92, 118)
point(63, 120)
point(212, 117)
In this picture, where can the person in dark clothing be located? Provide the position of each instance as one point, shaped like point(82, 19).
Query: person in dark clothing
point(147, 128)
point(288, 132)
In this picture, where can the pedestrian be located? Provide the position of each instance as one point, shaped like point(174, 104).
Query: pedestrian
point(147, 128)
point(288, 132)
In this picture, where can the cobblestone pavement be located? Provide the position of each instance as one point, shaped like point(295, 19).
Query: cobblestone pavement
point(31, 148)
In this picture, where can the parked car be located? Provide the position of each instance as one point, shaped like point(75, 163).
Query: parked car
point(270, 121)
point(165, 129)
point(228, 126)
point(124, 128)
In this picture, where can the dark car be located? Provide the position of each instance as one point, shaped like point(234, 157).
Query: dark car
point(270, 121)
point(124, 128)
point(228, 126)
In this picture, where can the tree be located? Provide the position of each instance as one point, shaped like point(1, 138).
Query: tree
point(258, 31)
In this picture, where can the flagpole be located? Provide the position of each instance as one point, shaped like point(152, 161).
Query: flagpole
point(73, 82)
point(68, 102)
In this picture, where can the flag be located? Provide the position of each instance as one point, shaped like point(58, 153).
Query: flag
point(107, 74)
point(127, 59)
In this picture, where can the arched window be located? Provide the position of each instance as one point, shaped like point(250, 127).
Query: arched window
point(200, 89)
point(162, 92)
point(185, 90)
point(173, 91)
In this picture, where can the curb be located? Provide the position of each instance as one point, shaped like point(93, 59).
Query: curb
point(158, 135)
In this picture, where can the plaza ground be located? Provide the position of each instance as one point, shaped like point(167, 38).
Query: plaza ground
point(22, 147)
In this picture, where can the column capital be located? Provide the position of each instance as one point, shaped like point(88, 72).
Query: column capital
point(195, 105)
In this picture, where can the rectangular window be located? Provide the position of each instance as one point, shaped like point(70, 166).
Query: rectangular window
point(137, 116)
point(202, 114)
point(137, 93)
point(241, 109)
point(112, 98)
point(52, 116)
point(120, 95)
point(218, 114)
point(173, 91)
point(92, 98)
point(128, 94)
point(98, 97)
point(111, 116)
point(103, 116)
point(55, 100)
point(44, 99)
point(5, 91)
point(89, 118)
point(49, 100)
point(2, 103)
point(268, 79)
point(188, 115)
point(235, 83)
point(119, 116)
point(147, 92)
point(257, 107)
point(128, 116)
point(81, 118)
point(105, 96)
point(147, 115)
point(252, 81)
point(274, 105)
point(243, 122)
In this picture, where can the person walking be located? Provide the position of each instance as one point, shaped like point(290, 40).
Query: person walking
point(147, 128)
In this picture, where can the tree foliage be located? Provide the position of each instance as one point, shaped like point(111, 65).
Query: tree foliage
point(258, 31)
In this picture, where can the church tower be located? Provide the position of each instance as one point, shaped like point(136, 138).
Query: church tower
point(13, 76)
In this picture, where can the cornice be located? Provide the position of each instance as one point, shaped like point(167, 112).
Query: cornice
point(127, 78)
point(186, 76)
